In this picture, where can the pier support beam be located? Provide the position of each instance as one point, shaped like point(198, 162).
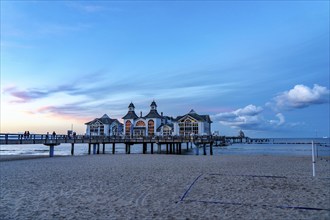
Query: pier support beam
point(152, 148)
point(144, 148)
point(113, 148)
point(51, 150)
point(197, 150)
point(211, 148)
point(89, 148)
point(204, 149)
point(103, 150)
point(159, 148)
point(128, 148)
point(187, 146)
point(94, 148)
point(166, 148)
point(98, 148)
point(72, 149)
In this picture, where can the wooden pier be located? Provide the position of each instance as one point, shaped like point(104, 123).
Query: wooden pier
point(173, 144)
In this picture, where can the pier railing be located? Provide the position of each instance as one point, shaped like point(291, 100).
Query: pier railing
point(7, 138)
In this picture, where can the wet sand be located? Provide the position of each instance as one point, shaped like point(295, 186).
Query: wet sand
point(165, 187)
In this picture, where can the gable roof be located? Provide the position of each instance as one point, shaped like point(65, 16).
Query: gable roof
point(153, 114)
point(163, 125)
point(193, 114)
point(130, 115)
point(105, 119)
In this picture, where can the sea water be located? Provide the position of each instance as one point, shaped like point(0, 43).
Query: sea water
point(287, 146)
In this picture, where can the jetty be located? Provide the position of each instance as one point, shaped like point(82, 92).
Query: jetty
point(97, 144)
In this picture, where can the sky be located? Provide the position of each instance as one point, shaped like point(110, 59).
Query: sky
point(257, 66)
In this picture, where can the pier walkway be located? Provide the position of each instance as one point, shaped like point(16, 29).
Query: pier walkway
point(173, 143)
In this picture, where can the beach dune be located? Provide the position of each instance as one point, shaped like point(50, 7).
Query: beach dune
point(165, 187)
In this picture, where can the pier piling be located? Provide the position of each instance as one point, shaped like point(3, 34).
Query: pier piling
point(51, 150)
point(113, 148)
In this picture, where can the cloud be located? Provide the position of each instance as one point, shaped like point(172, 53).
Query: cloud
point(280, 121)
point(88, 8)
point(301, 97)
point(249, 118)
point(23, 96)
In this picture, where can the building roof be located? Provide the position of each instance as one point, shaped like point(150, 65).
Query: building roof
point(193, 114)
point(130, 115)
point(162, 125)
point(105, 119)
point(153, 114)
point(153, 104)
point(131, 105)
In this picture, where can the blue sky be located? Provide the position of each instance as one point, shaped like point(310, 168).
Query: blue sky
point(259, 66)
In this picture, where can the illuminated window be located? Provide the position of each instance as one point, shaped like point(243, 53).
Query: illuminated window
point(140, 124)
point(187, 127)
point(128, 125)
point(151, 127)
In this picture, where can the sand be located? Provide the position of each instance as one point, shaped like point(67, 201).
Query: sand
point(165, 187)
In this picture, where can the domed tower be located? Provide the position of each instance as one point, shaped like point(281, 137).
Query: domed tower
point(131, 107)
point(153, 119)
point(129, 119)
point(153, 105)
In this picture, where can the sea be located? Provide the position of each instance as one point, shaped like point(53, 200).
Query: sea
point(277, 146)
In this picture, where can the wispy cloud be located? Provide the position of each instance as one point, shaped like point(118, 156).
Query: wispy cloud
point(301, 96)
point(88, 7)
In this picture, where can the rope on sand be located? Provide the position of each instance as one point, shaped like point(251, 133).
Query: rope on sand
point(184, 195)
point(243, 204)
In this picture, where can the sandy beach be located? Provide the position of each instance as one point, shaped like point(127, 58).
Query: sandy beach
point(165, 187)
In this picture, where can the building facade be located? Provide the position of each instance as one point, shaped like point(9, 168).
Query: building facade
point(155, 124)
point(152, 124)
point(105, 126)
point(192, 123)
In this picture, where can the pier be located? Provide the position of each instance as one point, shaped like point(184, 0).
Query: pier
point(174, 144)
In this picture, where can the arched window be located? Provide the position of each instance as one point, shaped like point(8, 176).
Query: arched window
point(140, 124)
point(151, 128)
point(128, 125)
point(187, 127)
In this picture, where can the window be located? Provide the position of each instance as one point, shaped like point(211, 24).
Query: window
point(151, 127)
point(114, 130)
point(128, 125)
point(96, 129)
point(167, 131)
point(188, 126)
point(140, 124)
